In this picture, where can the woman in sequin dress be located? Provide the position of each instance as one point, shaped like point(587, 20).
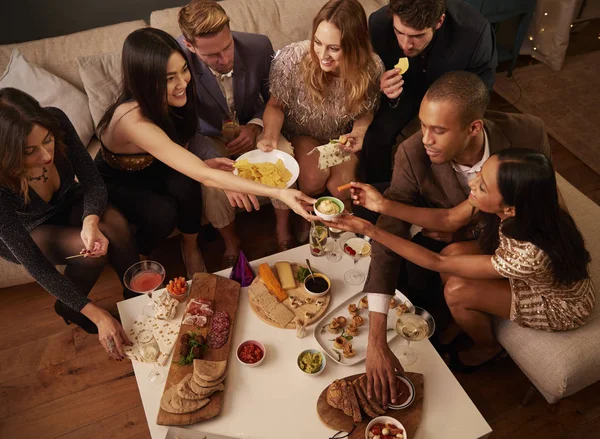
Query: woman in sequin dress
point(322, 89)
point(148, 144)
point(537, 275)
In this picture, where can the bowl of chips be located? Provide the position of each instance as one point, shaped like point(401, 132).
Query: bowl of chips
point(274, 168)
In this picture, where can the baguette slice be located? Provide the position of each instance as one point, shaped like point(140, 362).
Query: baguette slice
point(347, 406)
point(356, 416)
point(362, 400)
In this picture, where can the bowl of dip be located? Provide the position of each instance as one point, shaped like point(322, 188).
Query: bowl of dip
point(317, 285)
point(311, 362)
point(328, 208)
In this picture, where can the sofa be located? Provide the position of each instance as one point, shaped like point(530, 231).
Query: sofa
point(558, 364)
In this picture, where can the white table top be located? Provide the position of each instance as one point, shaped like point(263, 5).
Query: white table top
point(275, 398)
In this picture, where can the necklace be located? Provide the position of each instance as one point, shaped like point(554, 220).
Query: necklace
point(42, 177)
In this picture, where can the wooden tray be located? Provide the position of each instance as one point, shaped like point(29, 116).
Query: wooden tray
point(298, 291)
point(225, 294)
point(410, 417)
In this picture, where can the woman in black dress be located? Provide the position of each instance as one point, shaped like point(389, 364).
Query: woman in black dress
point(46, 215)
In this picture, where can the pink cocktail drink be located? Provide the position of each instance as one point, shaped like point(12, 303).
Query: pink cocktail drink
point(146, 281)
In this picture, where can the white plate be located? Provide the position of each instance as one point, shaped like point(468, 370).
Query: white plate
point(258, 156)
point(359, 342)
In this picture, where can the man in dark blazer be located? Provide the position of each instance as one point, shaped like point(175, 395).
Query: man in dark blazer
point(432, 169)
point(230, 71)
point(437, 36)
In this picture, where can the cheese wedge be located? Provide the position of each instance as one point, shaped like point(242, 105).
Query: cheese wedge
point(285, 275)
point(269, 279)
point(402, 65)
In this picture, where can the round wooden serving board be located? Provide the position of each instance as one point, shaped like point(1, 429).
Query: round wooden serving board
point(299, 292)
point(410, 417)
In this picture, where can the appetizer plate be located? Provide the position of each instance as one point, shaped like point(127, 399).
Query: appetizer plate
point(359, 342)
point(258, 156)
point(385, 420)
point(258, 344)
point(330, 216)
point(312, 351)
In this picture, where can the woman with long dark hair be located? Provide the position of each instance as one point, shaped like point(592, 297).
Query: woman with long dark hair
point(46, 215)
point(148, 146)
point(537, 275)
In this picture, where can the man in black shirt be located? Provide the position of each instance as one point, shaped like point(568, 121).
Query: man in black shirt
point(438, 36)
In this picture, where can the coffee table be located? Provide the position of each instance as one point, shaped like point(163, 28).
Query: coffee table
point(276, 400)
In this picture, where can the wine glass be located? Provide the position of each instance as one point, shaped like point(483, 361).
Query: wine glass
point(357, 248)
point(413, 326)
point(149, 351)
point(230, 128)
point(144, 277)
point(334, 255)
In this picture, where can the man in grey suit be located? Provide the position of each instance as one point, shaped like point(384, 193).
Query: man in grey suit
point(230, 71)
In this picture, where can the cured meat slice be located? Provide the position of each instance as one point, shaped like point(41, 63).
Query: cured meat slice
point(219, 330)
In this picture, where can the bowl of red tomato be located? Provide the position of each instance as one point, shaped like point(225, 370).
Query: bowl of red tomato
point(251, 353)
point(385, 427)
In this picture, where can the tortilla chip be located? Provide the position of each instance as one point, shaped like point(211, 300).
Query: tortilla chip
point(270, 174)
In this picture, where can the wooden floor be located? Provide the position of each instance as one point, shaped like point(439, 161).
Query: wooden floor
point(57, 382)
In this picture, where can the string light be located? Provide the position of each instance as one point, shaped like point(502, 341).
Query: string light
point(530, 38)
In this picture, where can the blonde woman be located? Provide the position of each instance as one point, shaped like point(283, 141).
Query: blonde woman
point(324, 88)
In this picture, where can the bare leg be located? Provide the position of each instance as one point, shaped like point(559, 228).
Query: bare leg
point(193, 259)
point(232, 241)
point(342, 174)
point(312, 180)
point(472, 302)
point(282, 217)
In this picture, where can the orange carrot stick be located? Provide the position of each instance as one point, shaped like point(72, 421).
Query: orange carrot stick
point(344, 187)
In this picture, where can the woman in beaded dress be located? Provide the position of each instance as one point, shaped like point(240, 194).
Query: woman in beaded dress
point(149, 159)
point(530, 264)
point(322, 89)
point(47, 215)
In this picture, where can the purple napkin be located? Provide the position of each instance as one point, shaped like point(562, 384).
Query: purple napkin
point(242, 272)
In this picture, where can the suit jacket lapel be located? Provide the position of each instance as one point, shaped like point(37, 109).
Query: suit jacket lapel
point(239, 81)
point(208, 82)
point(496, 137)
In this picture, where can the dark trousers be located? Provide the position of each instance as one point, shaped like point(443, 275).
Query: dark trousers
point(156, 199)
point(376, 155)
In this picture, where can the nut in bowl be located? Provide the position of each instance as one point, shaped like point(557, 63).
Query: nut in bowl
point(385, 426)
point(251, 353)
point(311, 362)
point(317, 285)
point(328, 208)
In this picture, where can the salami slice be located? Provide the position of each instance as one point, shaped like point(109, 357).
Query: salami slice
point(219, 330)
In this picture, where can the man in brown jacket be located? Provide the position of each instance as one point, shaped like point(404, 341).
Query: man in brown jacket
point(432, 169)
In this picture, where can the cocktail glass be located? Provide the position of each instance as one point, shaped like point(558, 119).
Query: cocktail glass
point(144, 277)
point(149, 351)
point(317, 239)
point(334, 255)
point(357, 248)
point(413, 326)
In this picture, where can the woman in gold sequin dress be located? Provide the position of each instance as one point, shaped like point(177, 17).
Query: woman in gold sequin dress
point(537, 275)
point(322, 89)
point(148, 142)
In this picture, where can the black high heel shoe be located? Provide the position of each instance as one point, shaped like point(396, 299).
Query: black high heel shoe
point(71, 316)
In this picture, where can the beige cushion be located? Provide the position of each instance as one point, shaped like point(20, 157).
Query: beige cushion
point(50, 90)
point(283, 21)
point(102, 77)
point(58, 55)
point(560, 364)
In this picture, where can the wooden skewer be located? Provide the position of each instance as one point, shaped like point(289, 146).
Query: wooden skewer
point(75, 256)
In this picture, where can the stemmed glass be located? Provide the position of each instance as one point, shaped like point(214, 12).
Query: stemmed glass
point(144, 277)
point(149, 351)
point(334, 255)
point(413, 326)
point(357, 248)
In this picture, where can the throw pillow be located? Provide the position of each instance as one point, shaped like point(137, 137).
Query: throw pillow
point(101, 76)
point(50, 91)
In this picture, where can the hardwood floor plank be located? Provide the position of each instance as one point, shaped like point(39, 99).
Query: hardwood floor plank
point(127, 425)
point(90, 371)
point(36, 355)
point(73, 411)
point(30, 325)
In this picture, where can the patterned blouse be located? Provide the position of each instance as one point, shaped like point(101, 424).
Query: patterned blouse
point(536, 301)
point(327, 120)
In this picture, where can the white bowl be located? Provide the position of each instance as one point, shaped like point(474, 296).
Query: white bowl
point(258, 156)
point(325, 216)
point(317, 294)
point(312, 351)
point(385, 420)
point(411, 397)
point(256, 343)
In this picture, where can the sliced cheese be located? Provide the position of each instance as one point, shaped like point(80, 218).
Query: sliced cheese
point(285, 275)
point(269, 279)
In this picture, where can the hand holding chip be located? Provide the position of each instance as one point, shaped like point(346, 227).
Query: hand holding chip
point(352, 142)
point(391, 82)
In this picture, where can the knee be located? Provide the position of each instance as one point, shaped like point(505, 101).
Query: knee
point(457, 291)
point(114, 223)
point(311, 183)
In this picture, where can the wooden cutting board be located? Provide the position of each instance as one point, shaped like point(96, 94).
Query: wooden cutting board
point(297, 291)
point(410, 417)
point(225, 294)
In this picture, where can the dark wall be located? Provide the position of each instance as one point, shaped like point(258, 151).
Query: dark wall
point(26, 20)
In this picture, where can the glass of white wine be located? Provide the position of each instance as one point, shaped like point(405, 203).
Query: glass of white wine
point(413, 326)
point(150, 351)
